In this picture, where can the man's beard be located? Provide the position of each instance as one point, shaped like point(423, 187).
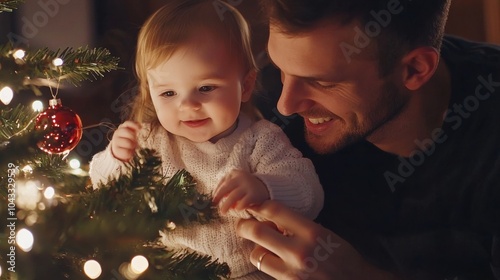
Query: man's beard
point(388, 106)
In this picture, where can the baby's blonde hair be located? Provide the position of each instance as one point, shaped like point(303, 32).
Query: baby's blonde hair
point(170, 27)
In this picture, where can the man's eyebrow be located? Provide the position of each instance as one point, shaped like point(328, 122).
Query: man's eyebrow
point(308, 78)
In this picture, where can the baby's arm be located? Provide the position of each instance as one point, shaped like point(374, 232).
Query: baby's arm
point(290, 178)
point(121, 149)
point(278, 172)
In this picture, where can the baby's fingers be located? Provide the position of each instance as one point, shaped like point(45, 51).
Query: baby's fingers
point(124, 141)
point(231, 200)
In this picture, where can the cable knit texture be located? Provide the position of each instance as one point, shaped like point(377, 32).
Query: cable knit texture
point(260, 148)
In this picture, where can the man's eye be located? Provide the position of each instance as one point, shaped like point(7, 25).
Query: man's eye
point(325, 85)
point(206, 88)
point(167, 93)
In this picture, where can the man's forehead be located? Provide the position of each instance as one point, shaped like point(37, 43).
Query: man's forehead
point(306, 52)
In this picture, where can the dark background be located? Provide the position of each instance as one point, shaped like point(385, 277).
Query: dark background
point(114, 24)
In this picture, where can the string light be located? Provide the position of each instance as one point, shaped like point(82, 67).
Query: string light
point(25, 240)
point(28, 195)
point(27, 169)
point(31, 218)
point(49, 193)
point(74, 163)
point(135, 268)
point(37, 106)
point(92, 269)
point(19, 54)
point(57, 62)
point(139, 264)
point(6, 95)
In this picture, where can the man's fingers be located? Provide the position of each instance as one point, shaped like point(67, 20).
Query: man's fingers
point(282, 216)
point(266, 235)
point(268, 262)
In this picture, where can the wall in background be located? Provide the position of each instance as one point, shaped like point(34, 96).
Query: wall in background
point(475, 19)
point(56, 23)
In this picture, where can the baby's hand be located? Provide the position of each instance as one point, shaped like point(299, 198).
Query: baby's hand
point(239, 190)
point(124, 140)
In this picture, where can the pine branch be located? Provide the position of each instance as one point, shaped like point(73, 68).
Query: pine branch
point(79, 64)
point(36, 68)
point(15, 121)
point(115, 222)
point(19, 149)
point(185, 265)
point(175, 200)
point(9, 5)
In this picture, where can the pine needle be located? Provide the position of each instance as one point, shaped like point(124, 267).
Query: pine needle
point(9, 5)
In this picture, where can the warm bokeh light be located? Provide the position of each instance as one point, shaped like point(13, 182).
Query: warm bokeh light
point(19, 54)
point(25, 239)
point(27, 169)
point(74, 163)
point(57, 62)
point(139, 264)
point(6, 95)
point(31, 219)
point(37, 106)
point(92, 269)
point(49, 193)
point(28, 195)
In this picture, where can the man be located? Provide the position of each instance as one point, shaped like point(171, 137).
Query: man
point(405, 137)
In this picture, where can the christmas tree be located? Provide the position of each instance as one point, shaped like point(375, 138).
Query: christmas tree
point(57, 225)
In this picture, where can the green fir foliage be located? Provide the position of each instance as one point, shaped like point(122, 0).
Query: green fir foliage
point(9, 5)
point(36, 68)
point(111, 223)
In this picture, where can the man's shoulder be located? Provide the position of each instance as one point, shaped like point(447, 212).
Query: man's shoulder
point(457, 51)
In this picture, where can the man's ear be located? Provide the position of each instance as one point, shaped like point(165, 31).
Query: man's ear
point(248, 85)
point(419, 66)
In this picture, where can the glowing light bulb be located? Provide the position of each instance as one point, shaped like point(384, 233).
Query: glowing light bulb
point(49, 193)
point(6, 95)
point(0, 270)
point(57, 62)
point(19, 54)
point(92, 268)
point(27, 169)
point(74, 163)
point(25, 240)
point(28, 195)
point(139, 264)
point(37, 106)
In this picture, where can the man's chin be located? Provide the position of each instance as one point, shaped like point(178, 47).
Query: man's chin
point(324, 146)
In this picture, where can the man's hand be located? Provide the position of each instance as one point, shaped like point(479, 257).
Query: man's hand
point(289, 246)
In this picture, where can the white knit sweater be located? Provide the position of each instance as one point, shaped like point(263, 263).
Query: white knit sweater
point(261, 148)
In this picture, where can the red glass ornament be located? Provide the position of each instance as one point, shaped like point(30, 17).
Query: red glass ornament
point(61, 128)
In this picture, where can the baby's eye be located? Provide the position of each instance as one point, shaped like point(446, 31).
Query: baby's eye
point(204, 89)
point(167, 93)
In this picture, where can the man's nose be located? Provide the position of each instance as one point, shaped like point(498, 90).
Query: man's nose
point(293, 98)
